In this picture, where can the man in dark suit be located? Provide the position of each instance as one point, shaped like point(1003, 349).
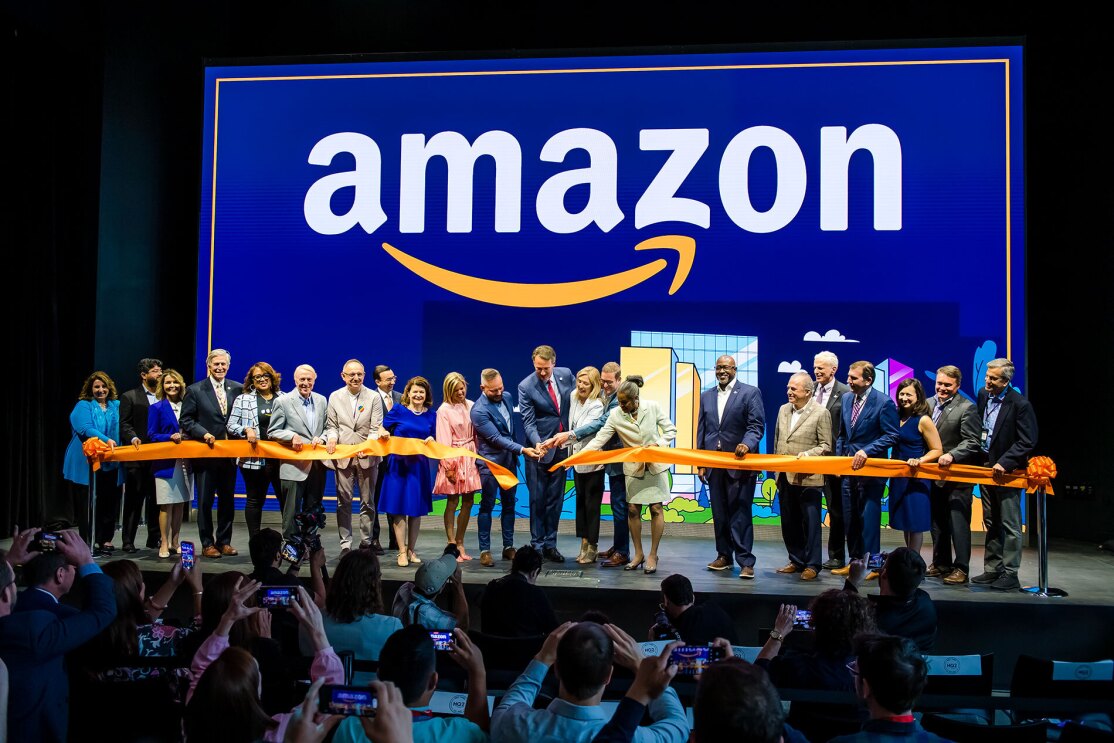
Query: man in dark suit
point(384, 378)
point(731, 419)
point(47, 577)
point(139, 489)
point(33, 644)
point(869, 429)
point(957, 420)
point(543, 399)
point(205, 411)
point(829, 395)
point(498, 438)
point(1009, 433)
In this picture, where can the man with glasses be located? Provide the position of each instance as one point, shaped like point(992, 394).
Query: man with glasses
point(384, 378)
point(139, 490)
point(731, 419)
point(353, 417)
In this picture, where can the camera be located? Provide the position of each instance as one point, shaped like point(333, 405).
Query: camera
point(44, 541)
point(347, 700)
point(663, 629)
point(691, 659)
point(442, 639)
point(877, 560)
point(272, 597)
point(305, 539)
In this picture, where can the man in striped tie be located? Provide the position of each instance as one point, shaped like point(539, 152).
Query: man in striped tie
point(870, 428)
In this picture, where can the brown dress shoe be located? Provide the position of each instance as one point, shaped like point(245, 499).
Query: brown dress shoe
point(720, 563)
point(509, 553)
point(933, 572)
point(606, 555)
point(210, 551)
point(845, 570)
point(485, 559)
point(617, 560)
point(746, 572)
point(790, 568)
point(227, 550)
point(808, 574)
point(956, 578)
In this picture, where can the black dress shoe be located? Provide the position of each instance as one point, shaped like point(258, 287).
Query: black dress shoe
point(832, 564)
point(130, 549)
point(551, 554)
point(153, 544)
point(986, 578)
point(377, 548)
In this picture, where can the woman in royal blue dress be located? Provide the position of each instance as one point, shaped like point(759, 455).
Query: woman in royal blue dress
point(407, 492)
point(918, 443)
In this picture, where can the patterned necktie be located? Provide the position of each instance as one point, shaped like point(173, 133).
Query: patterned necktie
point(937, 412)
point(556, 405)
point(856, 409)
point(389, 401)
point(820, 396)
point(222, 399)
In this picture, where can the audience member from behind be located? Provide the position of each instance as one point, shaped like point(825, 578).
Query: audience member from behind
point(735, 701)
point(514, 606)
point(354, 618)
point(264, 548)
point(48, 577)
point(901, 607)
point(137, 632)
point(890, 674)
point(409, 661)
point(33, 644)
point(695, 624)
point(837, 616)
point(415, 601)
point(223, 703)
point(583, 654)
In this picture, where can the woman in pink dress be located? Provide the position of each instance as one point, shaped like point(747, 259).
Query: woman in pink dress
point(457, 476)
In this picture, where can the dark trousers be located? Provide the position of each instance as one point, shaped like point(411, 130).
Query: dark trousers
point(107, 507)
point(393, 545)
point(302, 496)
point(547, 495)
point(837, 535)
point(731, 500)
point(589, 497)
point(1001, 516)
point(618, 485)
point(951, 525)
point(489, 489)
point(215, 478)
point(139, 497)
point(862, 514)
point(800, 523)
point(256, 483)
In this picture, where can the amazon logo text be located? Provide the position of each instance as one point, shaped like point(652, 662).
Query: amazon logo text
point(658, 203)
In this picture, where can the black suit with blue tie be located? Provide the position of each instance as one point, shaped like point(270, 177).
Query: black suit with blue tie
point(542, 419)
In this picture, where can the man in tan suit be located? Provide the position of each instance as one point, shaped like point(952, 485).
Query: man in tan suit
point(804, 429)
point(354, 416)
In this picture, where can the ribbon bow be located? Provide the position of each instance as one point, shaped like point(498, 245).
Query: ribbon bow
point(1040, 472)
point(94, 450)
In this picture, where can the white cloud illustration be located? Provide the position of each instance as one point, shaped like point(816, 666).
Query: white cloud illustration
point(832, 336)
point(789, 367)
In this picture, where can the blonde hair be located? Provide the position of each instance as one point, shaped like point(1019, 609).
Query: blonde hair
point(452, 381)
point(593, 375)
point(160, 394)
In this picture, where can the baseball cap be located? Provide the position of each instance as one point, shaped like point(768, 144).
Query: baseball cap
point(431, 576)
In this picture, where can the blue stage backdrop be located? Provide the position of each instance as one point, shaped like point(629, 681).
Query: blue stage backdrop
point(658, 209)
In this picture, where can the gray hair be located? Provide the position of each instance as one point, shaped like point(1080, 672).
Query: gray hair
point(307, 367)
point(218, 352)
point(806, 380)
point(489, 374)
point(827, 357)
point(1005, 365)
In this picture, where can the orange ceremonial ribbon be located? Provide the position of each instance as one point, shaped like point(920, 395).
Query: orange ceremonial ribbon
point(1040, 472)
point(97, 451)
point(816, 465)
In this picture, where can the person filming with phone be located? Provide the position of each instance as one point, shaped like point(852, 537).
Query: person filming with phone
point(901, 607)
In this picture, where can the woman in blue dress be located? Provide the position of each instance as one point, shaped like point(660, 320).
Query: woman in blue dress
point(407, 492)
point(918, 443)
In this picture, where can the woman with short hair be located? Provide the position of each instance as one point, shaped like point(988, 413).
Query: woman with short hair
point(251, 414)
point(173, 478)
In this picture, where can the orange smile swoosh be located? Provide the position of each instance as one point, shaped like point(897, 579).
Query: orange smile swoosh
point(513, 294)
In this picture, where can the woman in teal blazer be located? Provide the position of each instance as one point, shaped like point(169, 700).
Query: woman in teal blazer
point(96, 415)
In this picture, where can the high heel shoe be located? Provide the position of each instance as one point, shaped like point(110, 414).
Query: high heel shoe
point(413, 556)
point(651, 570)
point(632, 565)
point(402, 561)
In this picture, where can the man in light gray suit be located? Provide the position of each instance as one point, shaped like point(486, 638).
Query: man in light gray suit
point(829, 394)
point(299, 420)
point(354, 416)
point(957, 420)
point(803, 429)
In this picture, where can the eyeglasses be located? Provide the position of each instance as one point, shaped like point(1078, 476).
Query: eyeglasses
point(260, 377)
point(723, 367)
point(853, 668)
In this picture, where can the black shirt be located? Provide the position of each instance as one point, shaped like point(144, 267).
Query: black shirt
point(514, 607)
point(701, 623)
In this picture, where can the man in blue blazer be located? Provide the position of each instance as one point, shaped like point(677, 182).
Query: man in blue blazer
point(543, 398)
point(205, 411)
point(868, 429)
point(498, 438)
point(33, 644)
point(48, 578)
point(731, 419)
point(1009, 433)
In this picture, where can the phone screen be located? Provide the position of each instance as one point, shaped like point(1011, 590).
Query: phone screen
point(347, 700)
point(691, 659)
point(876, 561)
point(291, 552)
point(442, 640)
point(47, 541)
point(187, 555)
point(803, 619)
point(271, 596)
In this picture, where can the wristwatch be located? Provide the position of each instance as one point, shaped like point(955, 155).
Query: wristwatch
point(775, 635)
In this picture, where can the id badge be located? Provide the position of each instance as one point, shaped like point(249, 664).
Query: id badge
point(984, 439)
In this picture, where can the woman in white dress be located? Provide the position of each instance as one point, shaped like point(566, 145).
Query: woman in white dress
point(586, 406)
point(173, 479)
point(640, 423)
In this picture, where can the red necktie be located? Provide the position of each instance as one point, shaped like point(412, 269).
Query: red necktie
point(556, 405)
